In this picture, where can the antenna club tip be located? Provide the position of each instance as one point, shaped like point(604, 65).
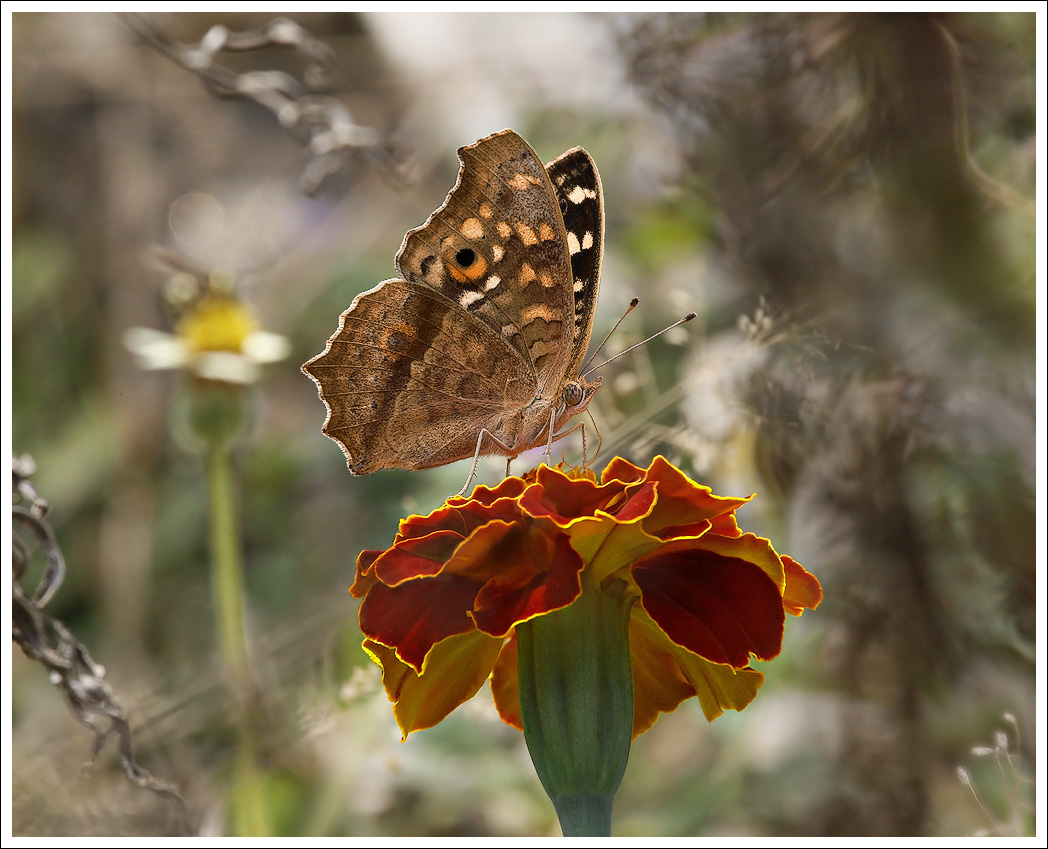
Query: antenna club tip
point(689, 317)
point(634, 302)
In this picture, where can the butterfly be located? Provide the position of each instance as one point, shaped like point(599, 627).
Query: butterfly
point(478, 347)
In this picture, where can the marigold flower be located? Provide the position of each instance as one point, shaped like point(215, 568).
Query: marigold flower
point(441, 605)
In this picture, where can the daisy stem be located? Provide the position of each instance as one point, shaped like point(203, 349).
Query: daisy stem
point(249, 811)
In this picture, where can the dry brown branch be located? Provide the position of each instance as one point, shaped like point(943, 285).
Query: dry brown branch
point(45, 639)
point(321, 123)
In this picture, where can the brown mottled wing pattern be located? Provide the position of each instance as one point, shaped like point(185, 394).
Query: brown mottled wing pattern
point(498, 248)
point(493, 317)
point(409, 379)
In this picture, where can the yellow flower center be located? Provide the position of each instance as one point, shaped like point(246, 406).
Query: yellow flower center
point(216, 323)
point(579, 473)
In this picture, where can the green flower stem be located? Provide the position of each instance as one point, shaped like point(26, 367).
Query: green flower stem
point(250, 813)
point(576, 701)
point(584, 814)
point(227, 570)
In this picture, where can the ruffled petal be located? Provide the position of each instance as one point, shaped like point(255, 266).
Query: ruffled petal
point(505, 686)
point(365, 578)
point(416, 557)
point(721, 608)
point(416, 615)
point(455, 669)
point(609, 545)
point(540, 573)
point(665, 674)
point(623, 471)
point(486, 496)
point(562, 499)
point(466, 515)
point(803, 591)
point(682, 504)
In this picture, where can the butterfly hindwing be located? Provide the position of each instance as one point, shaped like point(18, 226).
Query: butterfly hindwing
point(577, 184)
point(406, 361)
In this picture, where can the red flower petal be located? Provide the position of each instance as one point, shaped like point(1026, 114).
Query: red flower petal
point(541, 575)
point(444, 518)
point(365, 578)
point(464, 515)
point(683, 504)
point(721, 608)
point(561, 499)
point(416, 557)
point(640, 502)
point(416, 615)
point(757, 550)
point(665, 674)
point(486, 496)
point(483, 557)
point(622, 470)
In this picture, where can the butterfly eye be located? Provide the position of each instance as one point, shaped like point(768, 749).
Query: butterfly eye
point(572, 394)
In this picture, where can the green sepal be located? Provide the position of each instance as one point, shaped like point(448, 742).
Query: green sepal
point(576, 703)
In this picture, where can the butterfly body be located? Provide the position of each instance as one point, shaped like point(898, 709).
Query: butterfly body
point(478, 349)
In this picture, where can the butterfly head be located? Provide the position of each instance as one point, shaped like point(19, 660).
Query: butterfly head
point(574, 398)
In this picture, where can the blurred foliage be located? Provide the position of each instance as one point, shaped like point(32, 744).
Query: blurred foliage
point(846, 200)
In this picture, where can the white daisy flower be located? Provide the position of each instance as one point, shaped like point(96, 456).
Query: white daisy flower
point(217, 338)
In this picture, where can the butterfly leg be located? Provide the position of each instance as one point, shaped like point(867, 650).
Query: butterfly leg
point(553, 437)
point(476, 456)
point(557, 437)
point(549, 439)
point(600, 440)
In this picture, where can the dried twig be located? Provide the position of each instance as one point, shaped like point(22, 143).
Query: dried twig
point(321, 123)
point(45, 639)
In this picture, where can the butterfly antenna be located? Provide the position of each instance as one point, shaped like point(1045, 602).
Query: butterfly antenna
point(677, 323)
point(629, 309)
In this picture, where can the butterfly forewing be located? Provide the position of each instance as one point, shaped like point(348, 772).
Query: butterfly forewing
point(497, 247)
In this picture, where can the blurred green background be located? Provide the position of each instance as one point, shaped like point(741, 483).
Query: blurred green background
point(845, 200)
